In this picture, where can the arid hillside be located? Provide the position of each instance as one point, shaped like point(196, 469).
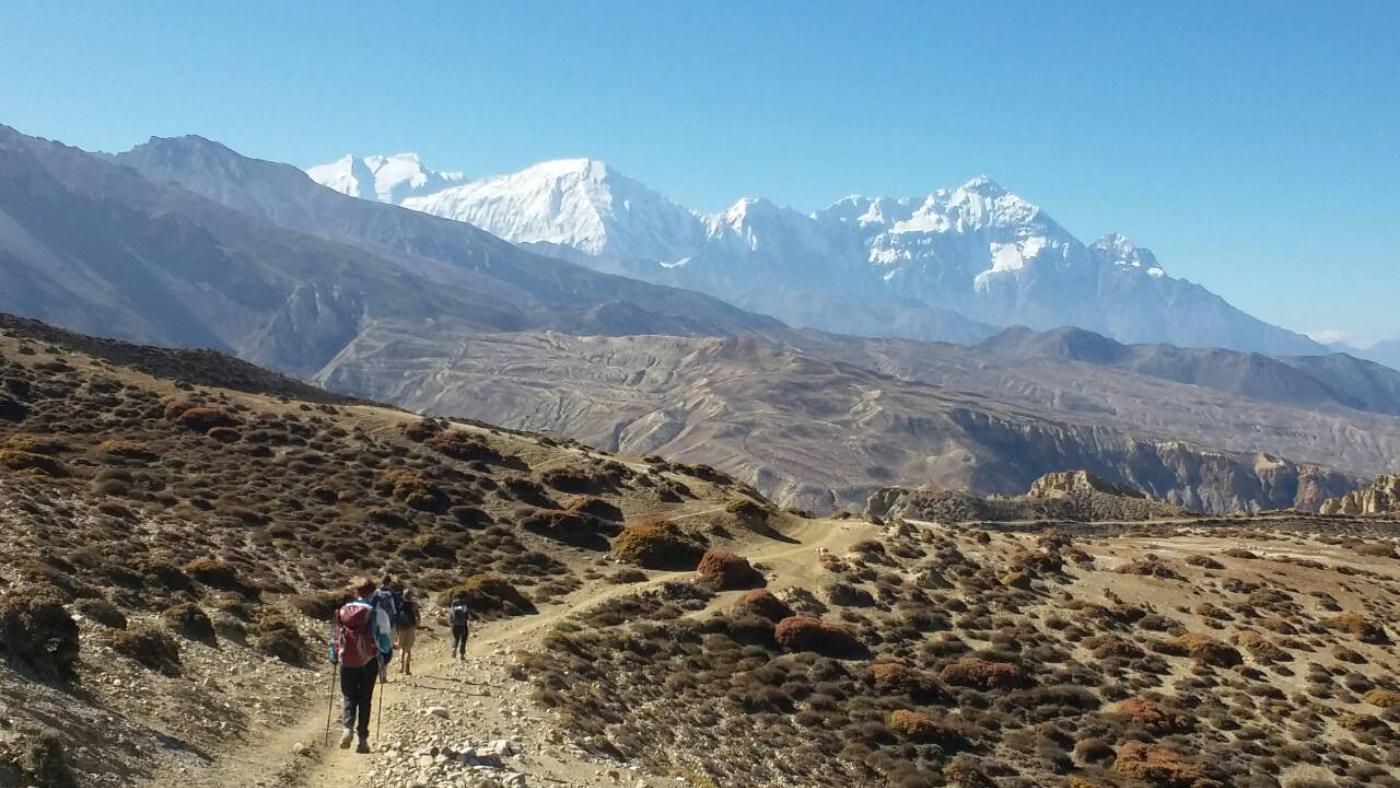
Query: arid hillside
point(174, 539)
point(180, 526)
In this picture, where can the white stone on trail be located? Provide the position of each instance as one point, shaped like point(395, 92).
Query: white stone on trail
point(439, 711)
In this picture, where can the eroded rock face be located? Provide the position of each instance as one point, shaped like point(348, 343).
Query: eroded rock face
point(1381, 497)
point(1067, 483)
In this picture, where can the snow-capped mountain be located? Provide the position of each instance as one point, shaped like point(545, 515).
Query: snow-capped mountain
point(390, 179)
point(952, 265)
point(579, 204)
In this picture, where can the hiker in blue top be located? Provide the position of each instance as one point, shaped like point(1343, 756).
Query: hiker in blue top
point(387, 600)
point(361, 645)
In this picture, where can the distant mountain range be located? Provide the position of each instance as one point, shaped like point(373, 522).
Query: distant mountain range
point(185, 242)
point(954, 265)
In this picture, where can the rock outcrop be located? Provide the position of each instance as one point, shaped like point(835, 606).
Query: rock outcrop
point(1075, 496)
point(1383, 496)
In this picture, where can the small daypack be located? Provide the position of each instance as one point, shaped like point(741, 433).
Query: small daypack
point(383, 599)
point(408, 615)
point(459, 613)
point(354, 635)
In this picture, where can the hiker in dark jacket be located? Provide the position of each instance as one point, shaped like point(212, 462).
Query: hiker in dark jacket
point(408, 631)
point(459, 612)
point(360, 646)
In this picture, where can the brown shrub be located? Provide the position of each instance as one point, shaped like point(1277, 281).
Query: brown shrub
point(464, 446)
point(37, 444)
point(279, 638)
point(16, 460)
point(487, 594)
point(765, 604)
point(1149, 567)
point(203, 419)
point(36, 632)
point(125, 450)
point(569, 527)
point(150, 647)
point(1156, 765)
point(1359, 627)
point(918, 727)
point(1386, 699)
point(658, 544)
point(807, 633)
point(43, 761)
point(1153, 715)
point(225, 435)
point(728, 570)
point(899, 678)
point(1208, 650)
point(416, 491)
point(322, 606)
point(1204, 562)
point(1375, 549)
point(983, 674)
point(191, 621)
point(747, 510)
point(1261, 648)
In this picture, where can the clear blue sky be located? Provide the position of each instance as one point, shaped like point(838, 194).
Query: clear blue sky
point(1255, 146)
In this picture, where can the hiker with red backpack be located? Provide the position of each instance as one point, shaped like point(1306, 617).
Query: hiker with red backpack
point(361, 645)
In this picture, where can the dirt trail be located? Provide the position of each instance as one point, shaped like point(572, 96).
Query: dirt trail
point(480, 698)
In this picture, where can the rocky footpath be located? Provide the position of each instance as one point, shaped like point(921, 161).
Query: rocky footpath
point(473, 724)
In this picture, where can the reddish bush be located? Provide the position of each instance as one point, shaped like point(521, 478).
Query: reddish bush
point(1153, 715)
point(1156, 765)
point(806, 633)
point(728, 570)
point(984, 674)
point(765, 604)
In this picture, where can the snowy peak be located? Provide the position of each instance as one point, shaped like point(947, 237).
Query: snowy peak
point(347, 175)
point(390, 179)
point(1120, 251)
point(579, 203)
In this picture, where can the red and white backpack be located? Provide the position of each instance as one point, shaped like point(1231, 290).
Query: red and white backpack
point(354, 635)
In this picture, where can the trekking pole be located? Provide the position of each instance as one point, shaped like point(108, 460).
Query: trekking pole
point(330, 701)
point(330, 698)
point(379, 722)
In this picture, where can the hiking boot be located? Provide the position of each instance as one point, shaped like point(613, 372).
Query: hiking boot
point(345, 739)
point(363, 746)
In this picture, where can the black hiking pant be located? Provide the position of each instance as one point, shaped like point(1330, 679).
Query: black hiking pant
point(357, 688)
point(459, 639)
